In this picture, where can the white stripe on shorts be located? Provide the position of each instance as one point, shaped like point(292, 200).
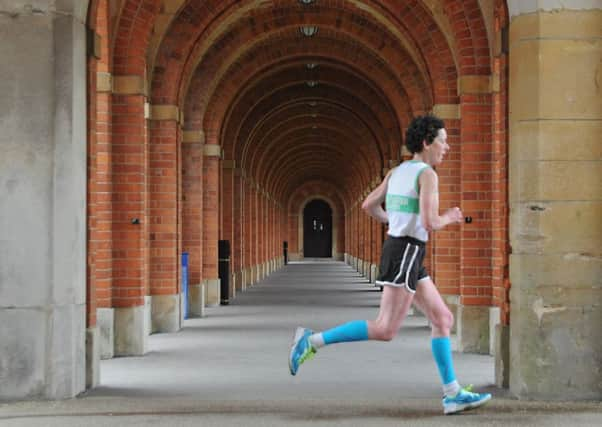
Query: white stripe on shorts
point(402, 261)
point(409, 268)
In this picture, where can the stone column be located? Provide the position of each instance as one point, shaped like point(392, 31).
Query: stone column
point(211, 282)
point(43, 199)
point(555, 200)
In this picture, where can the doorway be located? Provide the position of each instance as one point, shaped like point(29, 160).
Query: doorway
point(317, 230)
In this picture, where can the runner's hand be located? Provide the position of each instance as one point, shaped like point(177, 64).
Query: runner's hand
point(454, 215)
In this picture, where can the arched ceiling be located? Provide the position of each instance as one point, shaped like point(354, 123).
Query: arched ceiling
point(291, 108)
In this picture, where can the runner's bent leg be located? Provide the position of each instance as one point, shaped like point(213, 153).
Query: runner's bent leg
point(394, 306)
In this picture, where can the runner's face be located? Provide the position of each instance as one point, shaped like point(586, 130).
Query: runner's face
point(438, 149)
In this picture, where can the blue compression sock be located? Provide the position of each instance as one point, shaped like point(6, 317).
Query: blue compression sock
point(442, 353)
point(356, 330)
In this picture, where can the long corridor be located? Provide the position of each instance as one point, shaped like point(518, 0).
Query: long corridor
point(239, 352)
point(230, 369)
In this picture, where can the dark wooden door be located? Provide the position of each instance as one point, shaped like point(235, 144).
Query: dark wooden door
point(317, 230)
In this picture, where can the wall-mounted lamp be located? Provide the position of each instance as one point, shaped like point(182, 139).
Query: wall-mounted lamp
point(309, 30)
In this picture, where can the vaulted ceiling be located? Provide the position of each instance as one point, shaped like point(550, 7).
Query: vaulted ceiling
point(297, 91)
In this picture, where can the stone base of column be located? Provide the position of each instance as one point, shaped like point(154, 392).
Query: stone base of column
point(473, 329)
point(502, 355)
point(147, 311)
point(373, 273)
point(248, 272)
point(92, 357)
point(238, 281)
point(131, 330)
point(232, 286)
point(346, 258)
point(213, 292)
point(453, 301)
point(338, 256)
point(165, 313)
point(105, 322)
point(256, 274)
point(494, 320)
point(243, 280)
point(196, 300)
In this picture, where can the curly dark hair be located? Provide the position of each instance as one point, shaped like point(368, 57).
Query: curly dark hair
point(422, 128)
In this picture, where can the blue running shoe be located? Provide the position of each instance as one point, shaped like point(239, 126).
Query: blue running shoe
point(464, 400)
point(301, 350)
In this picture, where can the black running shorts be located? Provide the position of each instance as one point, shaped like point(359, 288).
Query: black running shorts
point(401, 263)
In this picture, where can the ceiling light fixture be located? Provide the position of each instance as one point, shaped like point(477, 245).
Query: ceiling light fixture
point(311, 83)
point(306, 1)
point(309, 30)
point(311, 65)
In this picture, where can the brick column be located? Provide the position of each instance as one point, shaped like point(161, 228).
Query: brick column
point(237, 244)
point(228, 218)
point(165, 218)
point(294, 246)
point(192, 217)
point(255, 255)
point(130, 216)
point(247, 232)
point(444, 249)
point(261, 240)
point(211, 282)
point(476, 191)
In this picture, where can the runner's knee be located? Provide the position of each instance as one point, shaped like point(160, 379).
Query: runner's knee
point(385, 331)
point(443, 320)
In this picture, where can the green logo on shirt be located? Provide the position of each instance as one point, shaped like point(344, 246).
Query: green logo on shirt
point(395, 203)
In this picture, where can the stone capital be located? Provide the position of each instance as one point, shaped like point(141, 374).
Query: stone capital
point(229, 164)
point(212, 150)
point(129, 85)
point(523, 7)
point(165, 112)
point(474, 84)
point(104, 82)
point(193, 136)
point(447, 111)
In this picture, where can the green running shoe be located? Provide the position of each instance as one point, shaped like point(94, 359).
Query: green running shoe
point(301, 350)
point(465, 399)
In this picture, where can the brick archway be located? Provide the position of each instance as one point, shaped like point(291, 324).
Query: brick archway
point(213, 131)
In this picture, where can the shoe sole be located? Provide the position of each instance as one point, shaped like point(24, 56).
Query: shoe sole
point(296, 337)
point(466, 406)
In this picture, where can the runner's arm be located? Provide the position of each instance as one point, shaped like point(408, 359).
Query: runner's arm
point(429, 203)
point(373, 203)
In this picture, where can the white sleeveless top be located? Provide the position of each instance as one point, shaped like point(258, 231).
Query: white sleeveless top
point(403, 204)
